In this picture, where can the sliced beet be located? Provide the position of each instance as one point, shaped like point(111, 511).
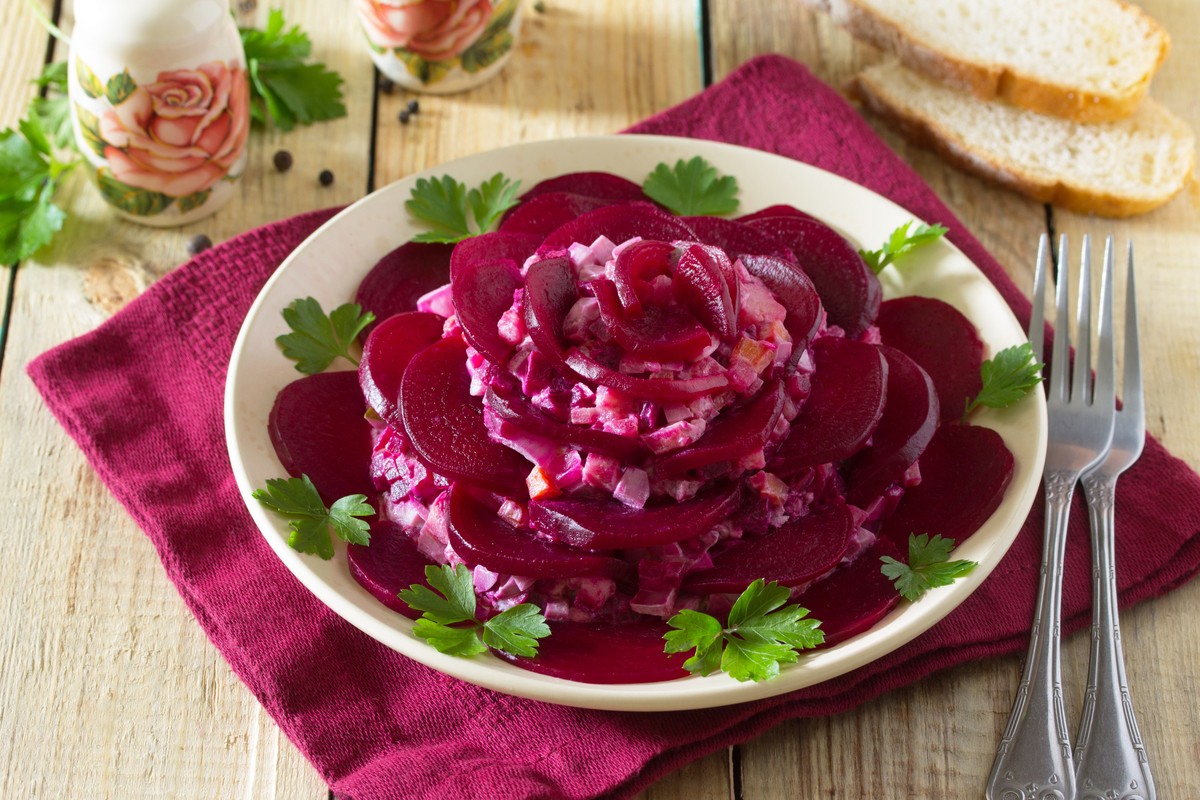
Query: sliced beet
point(387, 352)
point(388, 565)
point(544, 213)
point(606, 524)
point(400, 278)
point(738, 239)
point(791, 554)
point(625, 652)
point(703, 281)
point(849, 388)
point(676, 389)
point(600, 185)
point(516, 247)
point(855, 597)
point(482, 291)
point(513, 408)
point(849, 290)
point(619, 223)
point(779, 210)
point(964, 473)
point(937, 336)
point(732, 435)
point(550, 292)
point(318, 429)
point(445, 423)
point(479, 537)
point(794, 290)
point(639, 262)
point(910, 418)
point(660, 333)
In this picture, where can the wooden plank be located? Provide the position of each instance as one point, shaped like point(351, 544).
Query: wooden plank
point(24, 56)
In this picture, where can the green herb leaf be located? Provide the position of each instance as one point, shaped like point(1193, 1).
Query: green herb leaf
point(692, 188)
point(1007, 377)
point(310, 521)
point(54, 110)
point(449, 207)
point(762, 633)
point(316, 340)
point(928, 566)
point(284, 89)
point(29, 176)
point(516, 630)
point(462, 642)
point(493, 197)
point(901, 241)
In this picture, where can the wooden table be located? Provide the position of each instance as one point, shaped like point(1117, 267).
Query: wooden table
point(108, 687)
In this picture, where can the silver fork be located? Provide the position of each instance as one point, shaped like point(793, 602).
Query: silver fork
point(1110, 758)
point(1033, 761)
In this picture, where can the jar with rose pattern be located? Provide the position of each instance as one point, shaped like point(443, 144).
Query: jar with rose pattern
point(440, 46)
point(160, 102)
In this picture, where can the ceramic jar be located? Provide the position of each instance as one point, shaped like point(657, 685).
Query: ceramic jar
point(160, 102)
point(440, 46)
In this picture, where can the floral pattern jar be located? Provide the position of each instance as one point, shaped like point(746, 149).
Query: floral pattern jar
point(440, 46)
point(160, 102)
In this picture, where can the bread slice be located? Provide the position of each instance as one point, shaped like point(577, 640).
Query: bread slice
point(1114, 169)
point(1085, 60)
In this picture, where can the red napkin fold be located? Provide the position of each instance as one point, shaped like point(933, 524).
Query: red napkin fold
point(377, 725)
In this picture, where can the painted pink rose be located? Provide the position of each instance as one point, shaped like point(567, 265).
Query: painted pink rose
point(436, 30)
point(181, 134)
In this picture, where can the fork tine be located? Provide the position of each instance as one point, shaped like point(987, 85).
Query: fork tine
point(1037, 316)
point(1081, 385)
point(1062, 328)
point(1105, 390)
point(1131, 391)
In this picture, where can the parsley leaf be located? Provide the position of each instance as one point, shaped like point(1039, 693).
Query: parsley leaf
point(316, 340)
point(283, 88)
point(310, 521)
point(928, 566)
point(901, 241)
point(446, 611)
point(1007, 377)
point(54, 110)
point(29, 175)
point(692, 188)
point(762, 632)
point(449, 207)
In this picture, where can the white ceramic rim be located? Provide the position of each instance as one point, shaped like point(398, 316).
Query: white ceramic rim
point(331, 262)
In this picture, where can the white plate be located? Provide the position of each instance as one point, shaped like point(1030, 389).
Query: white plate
point(331, 262)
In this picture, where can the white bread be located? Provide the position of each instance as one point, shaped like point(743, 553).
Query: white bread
point(1085, 60)
point(1114, 169)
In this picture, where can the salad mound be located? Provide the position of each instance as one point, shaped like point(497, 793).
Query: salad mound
point(616, 413)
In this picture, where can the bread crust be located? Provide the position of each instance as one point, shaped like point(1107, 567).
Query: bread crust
point(994, 81)
point(925, 133)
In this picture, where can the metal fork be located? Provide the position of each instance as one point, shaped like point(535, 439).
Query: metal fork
point(1110, 758)
point(1033, 761)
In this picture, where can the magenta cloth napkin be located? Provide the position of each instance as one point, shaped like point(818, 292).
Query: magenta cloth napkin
point(142, 395)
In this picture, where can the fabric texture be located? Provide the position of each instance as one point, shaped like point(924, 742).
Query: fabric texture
point(378, 726)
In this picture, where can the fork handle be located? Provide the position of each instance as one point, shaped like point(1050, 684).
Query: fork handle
point(1033, 761)
point(1111, 758)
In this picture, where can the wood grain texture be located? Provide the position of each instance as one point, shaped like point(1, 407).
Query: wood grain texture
point(24, 56)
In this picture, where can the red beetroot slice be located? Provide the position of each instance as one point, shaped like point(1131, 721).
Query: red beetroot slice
point(482, 292)
point(626, 652)
point(732, 435)
point(545, 213)
point(703, 279)
point(618, 223)
point(400, 278)
point(964, 473)
point(512, 408)
point(607, 524)
point(791, 554)
point(843, 410)
point(638, 262)
point(387, 352)
point(855, 597)
point(479, 537)
point(849, 290)
point(909, 420)
point(660, 333)
point(389, 564)
point(445, 423)
point(550, 292)
point(600, 185)
point(676, 389)
point(516, 247)
point(738, 239)
point(937, 336)
point(795, 291)
point(780, 210)
point(318, 429)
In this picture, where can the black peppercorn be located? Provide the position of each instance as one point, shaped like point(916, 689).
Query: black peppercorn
point(404, 116)
point(413, 106)
point(326, 177)
point(198, 244)
point(283, 160)
point(386, 85)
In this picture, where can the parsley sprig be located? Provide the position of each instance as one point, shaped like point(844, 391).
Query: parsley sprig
point(316, 339)
point(30, 173)
point(448, 620)
point(310, 520)
point(901, 241)
point(450, 207)
point(928, 566)
point(692, 188)
point(1007, 377)
point(283, 88)
point(761, 633)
